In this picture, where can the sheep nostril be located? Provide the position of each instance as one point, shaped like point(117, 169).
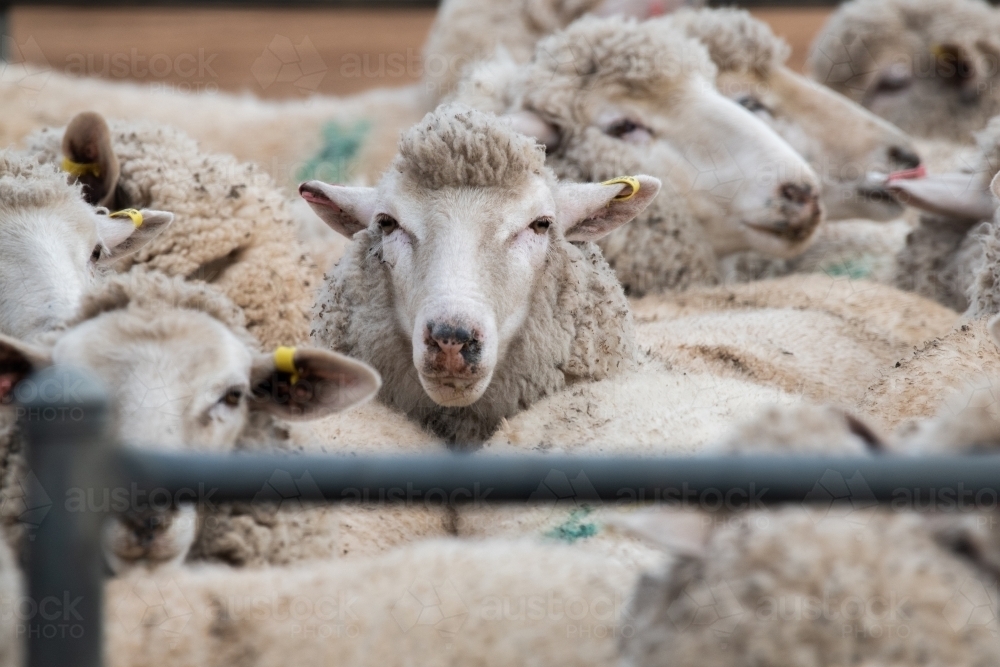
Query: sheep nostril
point(797, 193)
point(905, 158)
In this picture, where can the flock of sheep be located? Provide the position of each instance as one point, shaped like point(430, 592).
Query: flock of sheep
point(594, 230)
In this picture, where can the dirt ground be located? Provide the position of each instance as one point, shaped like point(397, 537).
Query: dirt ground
point(272, 53)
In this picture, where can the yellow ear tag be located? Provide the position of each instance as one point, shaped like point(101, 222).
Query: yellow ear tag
point(135, 215)
point(631, 181)
point(79, 169)
point(284, 361)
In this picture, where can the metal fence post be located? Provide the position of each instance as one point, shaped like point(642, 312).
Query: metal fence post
point(65, 414)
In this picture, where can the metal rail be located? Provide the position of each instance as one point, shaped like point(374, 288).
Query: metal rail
point(66, 424)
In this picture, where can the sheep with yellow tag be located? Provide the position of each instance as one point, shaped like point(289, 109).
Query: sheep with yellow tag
point(232, 227)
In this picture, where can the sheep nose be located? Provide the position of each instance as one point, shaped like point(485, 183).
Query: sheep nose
point(797, 193)
point(449, 337)
point(454, 346)
point(904, 157)
point(799, 203)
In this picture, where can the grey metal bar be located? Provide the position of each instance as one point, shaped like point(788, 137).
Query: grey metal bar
point(64, 415)
point(461, 478)
point(5, 31)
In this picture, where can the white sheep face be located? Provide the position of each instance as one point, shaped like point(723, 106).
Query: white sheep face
point(742, 181)
point(463, 262)
point(177, 381)
point(45, 265)
point(49, 256)
point(182, 380)
point(850, 148)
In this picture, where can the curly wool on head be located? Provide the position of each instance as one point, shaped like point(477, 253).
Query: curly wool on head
point(145, 290)
point(232, 227)
point(858, 31)
point(736, 41)
point(26, 182)
point(651, 55)
point(455, 146)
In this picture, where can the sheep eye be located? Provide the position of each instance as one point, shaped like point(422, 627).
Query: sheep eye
point(540, 226)
point(233, 397)
point(752, 104)
point(622, 127)
point(895, 78)
point(387, 225)
point(96, 254)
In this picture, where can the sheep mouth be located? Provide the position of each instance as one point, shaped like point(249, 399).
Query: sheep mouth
point(791, 232)
point(878, 195)
point(453, 392)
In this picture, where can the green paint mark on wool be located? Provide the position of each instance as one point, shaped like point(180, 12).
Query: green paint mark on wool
point(855, 269)
point(334, 160)
point(574, 528)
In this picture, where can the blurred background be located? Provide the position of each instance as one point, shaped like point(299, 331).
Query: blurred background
point(270, 52)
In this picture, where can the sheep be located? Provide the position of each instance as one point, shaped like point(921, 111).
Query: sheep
point(966, 359)
point(848, 147)
point(436, 603)
point(797, 586)
point(749, 345)
point(185, 373)
point(472, 319)
point(928, 66)
point(732, 353)
point(594, 125)
point(966, 423)
point(284, 524)
point(284, 138)
point(53, 245)
point(232, 225)
point(859, 584)
point(817, 337)
point(466, 31)
point(947, 257)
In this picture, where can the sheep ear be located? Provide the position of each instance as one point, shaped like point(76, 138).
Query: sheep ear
point(346, 210)
point(956, 65)
point(89, 158)
point(18, 360)
point(306, 383)
point(125, 232)
point(957, 195)
point(590, 211)
point(531, 124)
point(874, 442)
point(678, 532)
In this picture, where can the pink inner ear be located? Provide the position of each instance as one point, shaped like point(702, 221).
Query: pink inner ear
point(314, 196)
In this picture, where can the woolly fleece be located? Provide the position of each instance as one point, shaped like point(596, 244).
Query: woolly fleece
point(231, 226)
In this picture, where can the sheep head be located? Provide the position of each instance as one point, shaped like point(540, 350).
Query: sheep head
point(184, 374)
point(929, 67)
point(463, 225)
point(849, 147)
point(52, 244)
point(626, 97)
